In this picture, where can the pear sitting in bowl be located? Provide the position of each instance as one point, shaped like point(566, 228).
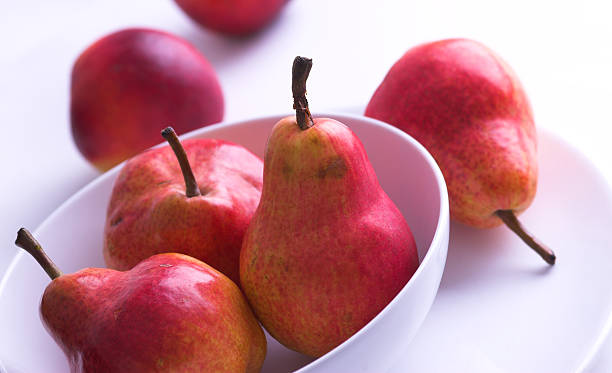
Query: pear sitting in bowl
point(327, 249)
point(200, 206)
point(170, 313)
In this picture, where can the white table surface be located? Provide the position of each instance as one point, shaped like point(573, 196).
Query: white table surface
point(562, 52)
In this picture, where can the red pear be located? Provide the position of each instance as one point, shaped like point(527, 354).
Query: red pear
point(170, 313)
point(233, 17)
point(468, 108)
point(135, 80)
point(327, 249)
point(200, 205)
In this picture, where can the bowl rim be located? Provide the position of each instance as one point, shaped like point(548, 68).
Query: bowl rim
point(434, 247)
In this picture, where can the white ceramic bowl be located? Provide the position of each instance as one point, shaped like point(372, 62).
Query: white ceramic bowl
point(72, 236)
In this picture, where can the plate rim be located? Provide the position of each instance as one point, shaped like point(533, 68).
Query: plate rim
point(583, 364)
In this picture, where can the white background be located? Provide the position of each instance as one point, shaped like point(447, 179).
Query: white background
point(561, 50)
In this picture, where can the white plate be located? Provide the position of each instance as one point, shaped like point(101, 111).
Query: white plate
point(501, 308)
point(569, 92)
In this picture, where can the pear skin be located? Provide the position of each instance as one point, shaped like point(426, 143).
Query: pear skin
point(154, 208)
point(468, 108)
point(327, 249)
point(170, 313)
point(465, 105)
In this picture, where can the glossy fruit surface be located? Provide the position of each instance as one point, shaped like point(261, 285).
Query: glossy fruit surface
point(170, 313)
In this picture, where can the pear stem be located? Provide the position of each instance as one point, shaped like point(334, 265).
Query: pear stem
point(26, 241)
point(509, 218)
point(191, 186)
point(300, 72)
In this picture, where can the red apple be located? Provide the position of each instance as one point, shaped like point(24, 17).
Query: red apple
point(234, 17)
point(129, 84)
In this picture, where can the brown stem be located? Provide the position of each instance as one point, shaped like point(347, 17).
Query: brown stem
point(509, 218)
point(26, 241)
point(300, 71)
point(191, 186)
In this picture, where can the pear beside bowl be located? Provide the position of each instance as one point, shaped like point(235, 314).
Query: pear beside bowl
point(72, 236)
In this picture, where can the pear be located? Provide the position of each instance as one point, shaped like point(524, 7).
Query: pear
point(468, 108)
point(326, 249)
point(170, 313)
point(160, 205)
